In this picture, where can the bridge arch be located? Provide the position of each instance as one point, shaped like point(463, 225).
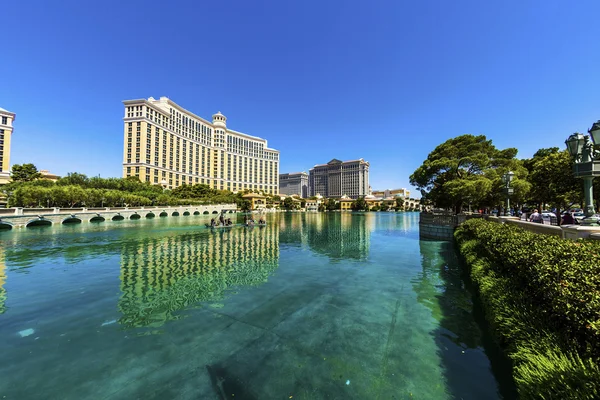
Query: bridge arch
point(175, 214)
point(98, 218)
point(196, 212)
point(205, 212)
point(71, 220)
point(39, 222)
point(5, 226)
point(215, 212)
point(186, 213)
point(150, 215)
point(163, 214)
point(118, 217)
point(135, 216)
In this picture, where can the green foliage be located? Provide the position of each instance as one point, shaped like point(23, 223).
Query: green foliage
point(77, 190)
point(541, 295)
point(24, 173)
point(332, 205)
point(465, 169)
point(360, 205)
point(552, 180)
point(288, 203)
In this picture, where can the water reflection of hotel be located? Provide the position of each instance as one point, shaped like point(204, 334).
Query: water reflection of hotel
point(336, 235)
point(162, 275)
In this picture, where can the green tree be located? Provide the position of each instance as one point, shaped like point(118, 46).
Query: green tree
point(399, 204)
point(73, 178)
point(552, 181)
point(331, 205)
point(288, 203)
point(360, 205)
point(456, 171)
point(24, 173)
point(244, 205)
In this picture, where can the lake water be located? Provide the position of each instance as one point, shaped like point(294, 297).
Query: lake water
point(312, 306)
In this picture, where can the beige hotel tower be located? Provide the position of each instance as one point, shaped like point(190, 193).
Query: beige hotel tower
point(166, 145)
point(6, 128)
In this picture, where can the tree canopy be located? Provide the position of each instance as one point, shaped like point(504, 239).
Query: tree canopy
point(552, 180)
point(24, 173)
point(467, 169)
point(360, 205)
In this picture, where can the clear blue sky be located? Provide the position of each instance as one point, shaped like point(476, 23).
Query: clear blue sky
point(382, 80)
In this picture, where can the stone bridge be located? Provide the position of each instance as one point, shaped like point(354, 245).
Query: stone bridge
point(26, 217)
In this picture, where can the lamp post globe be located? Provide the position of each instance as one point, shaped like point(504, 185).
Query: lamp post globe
point(575, 144)
point(507, 179)
point(594, 132)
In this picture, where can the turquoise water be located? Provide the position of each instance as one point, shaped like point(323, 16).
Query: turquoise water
point(313, 306)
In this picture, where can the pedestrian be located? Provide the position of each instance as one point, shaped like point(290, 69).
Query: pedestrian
point(535, 217)
point(568, 219)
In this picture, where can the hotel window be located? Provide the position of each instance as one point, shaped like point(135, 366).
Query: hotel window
point(4, 120)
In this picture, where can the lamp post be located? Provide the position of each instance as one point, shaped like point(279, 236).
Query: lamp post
point(507, 179)
point(587, 163)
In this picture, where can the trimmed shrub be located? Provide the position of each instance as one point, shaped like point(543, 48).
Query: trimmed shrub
point(541, 296)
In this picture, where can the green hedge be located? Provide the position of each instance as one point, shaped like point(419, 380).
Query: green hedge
point(541, 295)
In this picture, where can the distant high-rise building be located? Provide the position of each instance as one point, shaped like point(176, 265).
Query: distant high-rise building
point(294, 183)
point(338, 178)
point(6, 127)
point(167, 145)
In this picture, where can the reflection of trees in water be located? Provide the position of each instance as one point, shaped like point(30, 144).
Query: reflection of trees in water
point(440, 288)
point(341, 236)
point(160, 276)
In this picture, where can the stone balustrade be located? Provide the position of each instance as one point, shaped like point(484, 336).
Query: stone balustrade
point(27, 217)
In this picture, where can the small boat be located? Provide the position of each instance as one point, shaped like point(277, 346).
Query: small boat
point(220, 226)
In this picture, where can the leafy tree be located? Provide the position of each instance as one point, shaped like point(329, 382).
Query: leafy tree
point(321, 207)
point(24, 173)
point(551, 178)
point(73, 178)
point(360, 204)
point(457, 171)
point(288, 203)
point(399, 204)
point(331, 205)
point(244, 205)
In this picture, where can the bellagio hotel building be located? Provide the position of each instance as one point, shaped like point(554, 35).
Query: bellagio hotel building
point(169, 146)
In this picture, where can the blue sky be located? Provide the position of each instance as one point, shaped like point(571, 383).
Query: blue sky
point(383, 80)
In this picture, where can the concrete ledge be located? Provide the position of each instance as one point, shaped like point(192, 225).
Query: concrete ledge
point(581, 232)
point(533, 226)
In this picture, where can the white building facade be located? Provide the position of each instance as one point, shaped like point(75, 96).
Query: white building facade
point(167, 145)
point(338, 178)
point(294, 183)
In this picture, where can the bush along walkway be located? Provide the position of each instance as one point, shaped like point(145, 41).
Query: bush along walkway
point(541, 296)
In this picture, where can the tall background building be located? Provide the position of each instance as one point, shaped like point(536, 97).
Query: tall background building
point(6, 127)
point(338, 178)
point(294, 183)
point(168, 145)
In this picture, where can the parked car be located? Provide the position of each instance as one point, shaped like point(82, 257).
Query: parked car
point(593, 219)
point(579, 216)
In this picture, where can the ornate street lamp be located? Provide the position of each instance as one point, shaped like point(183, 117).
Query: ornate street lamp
point(587, 163)
point(507, 179)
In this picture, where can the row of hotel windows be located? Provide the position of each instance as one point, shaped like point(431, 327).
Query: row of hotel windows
point(235, 147)
point(1, 148)
point(270, 167)
point(191, 180)
point(202, 133)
